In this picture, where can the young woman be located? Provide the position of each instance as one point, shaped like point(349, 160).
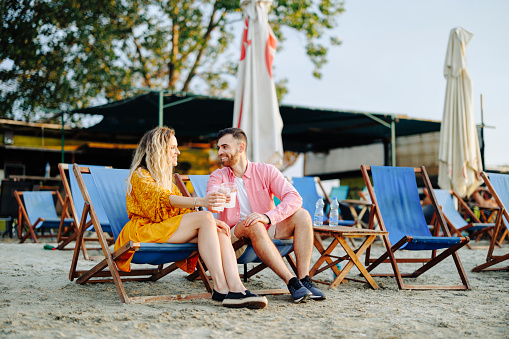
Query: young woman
point(159, 213)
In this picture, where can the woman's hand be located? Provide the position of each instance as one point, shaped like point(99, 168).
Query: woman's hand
point(223, 227)
point(215, 200)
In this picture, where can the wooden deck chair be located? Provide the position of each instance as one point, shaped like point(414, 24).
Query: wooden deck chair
point(397, 207)
point(364, 194)
point(9, 207)
point(340, 192)
point(73, 202)
point(498, 184)
point(285, 247)
point(350, 209)
point(37, 211)
point(307, 189)
point(457, 224)
point(487, 206)
point(111, 188)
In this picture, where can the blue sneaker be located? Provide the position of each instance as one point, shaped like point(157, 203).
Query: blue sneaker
point(298, 291)
point(316, 293)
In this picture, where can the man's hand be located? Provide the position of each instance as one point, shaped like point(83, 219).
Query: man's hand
point(256, 217)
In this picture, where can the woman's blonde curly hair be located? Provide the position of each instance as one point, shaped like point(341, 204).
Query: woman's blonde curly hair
point(153, 154)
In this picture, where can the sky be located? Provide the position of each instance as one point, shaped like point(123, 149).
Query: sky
point(392, 58)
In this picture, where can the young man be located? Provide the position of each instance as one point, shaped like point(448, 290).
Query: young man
point(256, 217)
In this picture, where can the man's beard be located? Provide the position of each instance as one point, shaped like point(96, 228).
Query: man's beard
point(232, 160)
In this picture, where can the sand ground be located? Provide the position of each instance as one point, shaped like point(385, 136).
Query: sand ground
point(38, 300)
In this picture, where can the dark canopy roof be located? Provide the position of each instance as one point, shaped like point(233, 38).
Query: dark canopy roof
point(200, 118)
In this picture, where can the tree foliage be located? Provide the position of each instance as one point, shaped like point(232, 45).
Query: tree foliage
point(67, 54)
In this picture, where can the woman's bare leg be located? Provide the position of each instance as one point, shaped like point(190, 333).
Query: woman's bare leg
point(203, 225)
point(231, 270)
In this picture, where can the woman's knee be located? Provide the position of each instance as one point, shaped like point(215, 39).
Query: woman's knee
point(205, 219)
point(204, 216)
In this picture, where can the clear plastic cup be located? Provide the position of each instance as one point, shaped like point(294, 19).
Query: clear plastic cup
point(232, 189)
point(223, 190)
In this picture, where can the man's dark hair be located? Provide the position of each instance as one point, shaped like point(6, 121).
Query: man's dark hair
point(236, 133)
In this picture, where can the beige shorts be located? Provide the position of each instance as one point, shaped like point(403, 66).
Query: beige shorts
point(271, 231)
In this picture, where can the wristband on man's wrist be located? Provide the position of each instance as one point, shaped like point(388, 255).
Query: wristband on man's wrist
point(268, 218)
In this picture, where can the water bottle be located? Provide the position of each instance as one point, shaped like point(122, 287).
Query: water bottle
point(47, 170)
point(334, 212)
point(318, 218)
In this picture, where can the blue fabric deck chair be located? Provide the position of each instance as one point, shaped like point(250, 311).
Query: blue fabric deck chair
point(307, 189)
point(340, 193)
point(285, 246)
point(37, 211)
point(73, 202)
point(397, 207)
point(455, 220)
point(111, 188)
point(498, 184)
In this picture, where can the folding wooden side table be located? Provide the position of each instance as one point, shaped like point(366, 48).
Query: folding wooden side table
point(339, 233)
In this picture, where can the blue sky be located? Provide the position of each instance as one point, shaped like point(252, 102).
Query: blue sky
point(392, 59)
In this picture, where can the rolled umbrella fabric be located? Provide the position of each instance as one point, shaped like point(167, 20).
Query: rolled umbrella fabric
point(459, 156)
point(256, 109)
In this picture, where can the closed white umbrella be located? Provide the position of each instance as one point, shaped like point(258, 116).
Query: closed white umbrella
point(459, 157)
point(256, 109)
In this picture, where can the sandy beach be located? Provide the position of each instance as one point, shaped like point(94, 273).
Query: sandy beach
point(37, 299)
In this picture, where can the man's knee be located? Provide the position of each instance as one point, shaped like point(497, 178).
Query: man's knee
point(253, 232)
point(303, 216)
point(300, 217)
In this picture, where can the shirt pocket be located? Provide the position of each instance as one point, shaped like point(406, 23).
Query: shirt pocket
point(262, 201)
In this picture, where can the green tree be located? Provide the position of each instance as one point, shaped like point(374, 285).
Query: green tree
point(67, 54)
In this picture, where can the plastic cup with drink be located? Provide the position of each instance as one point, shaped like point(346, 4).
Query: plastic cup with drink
point(232, 190)
point(220, 189)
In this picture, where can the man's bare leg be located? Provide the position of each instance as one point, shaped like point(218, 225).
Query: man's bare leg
point(264, 248)
point(299, 226)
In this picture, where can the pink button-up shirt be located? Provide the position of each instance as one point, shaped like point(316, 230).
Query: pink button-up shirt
point(262, 182)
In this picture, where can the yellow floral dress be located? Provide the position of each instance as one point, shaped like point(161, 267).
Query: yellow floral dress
point(152, 218)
